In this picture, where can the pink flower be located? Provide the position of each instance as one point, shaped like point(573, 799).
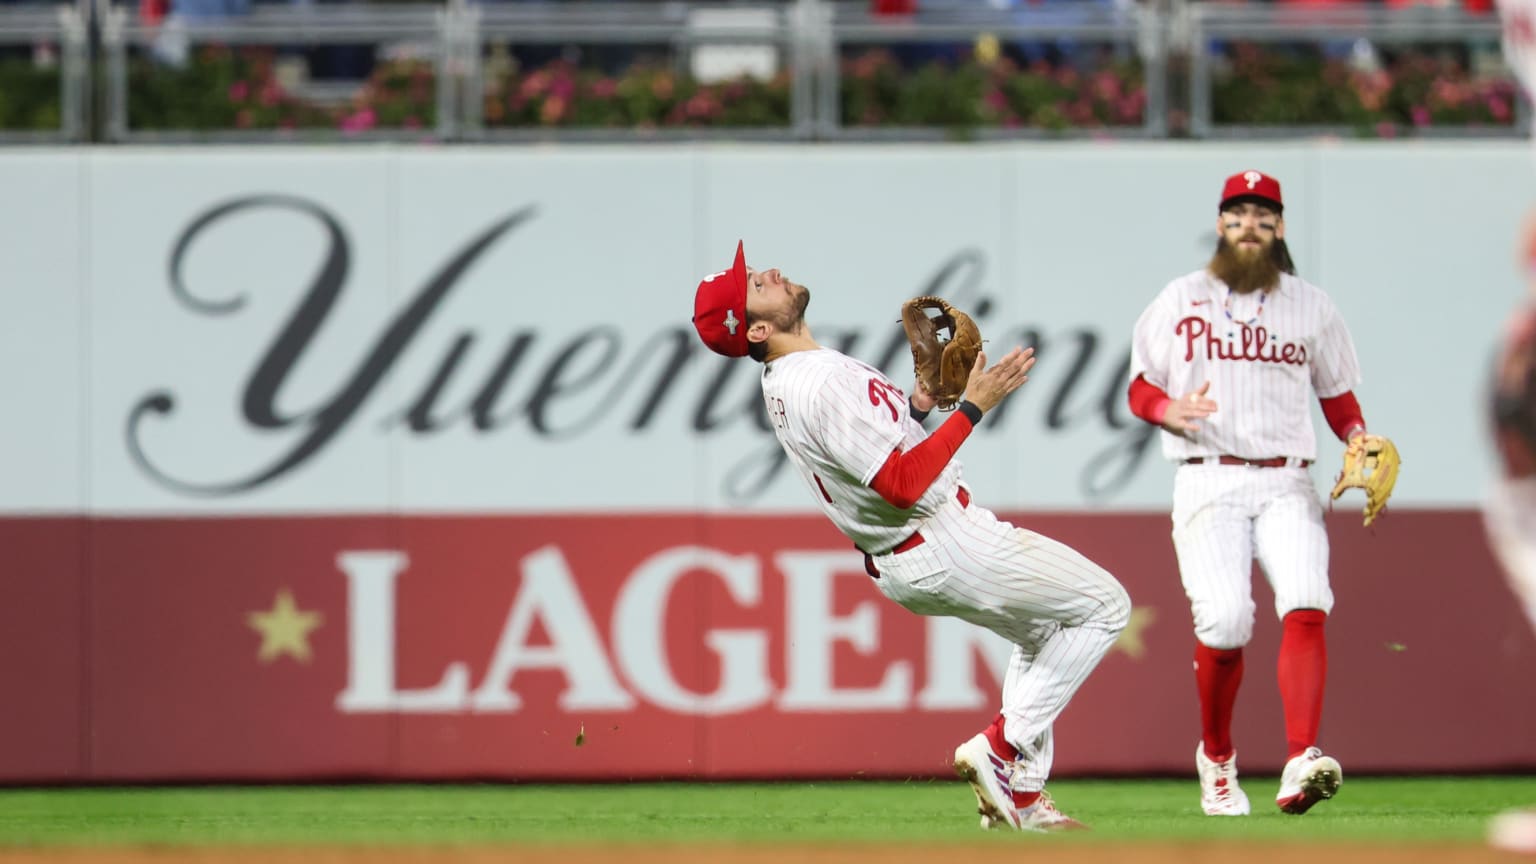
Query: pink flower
point(238, 91)
point(702, 106)
point(1451, 94)
point(604, 88)
point(533, 86)
point(1128, 109)
point(359, 121)
point(1106, 86)
point(1420, 115)
point(270, 95)
point(243, 118)
point(552, 111)
point(562, 87)
point(1498, 107)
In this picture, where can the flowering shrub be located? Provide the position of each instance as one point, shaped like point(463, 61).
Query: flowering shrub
point(224, 88)
point(877, 91)
point(29, 96)
point(237, 88)
point(1411, 91)
point(647, 95)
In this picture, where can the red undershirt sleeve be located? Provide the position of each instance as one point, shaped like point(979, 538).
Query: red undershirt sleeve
point(1343, 414)
point(906, 475)
point(1148, 401)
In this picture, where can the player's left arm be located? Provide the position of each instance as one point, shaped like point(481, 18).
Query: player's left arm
point(1370, 461)
point(906, 474)
point(920, 403)
point(1335, 375)
point(1343, 415)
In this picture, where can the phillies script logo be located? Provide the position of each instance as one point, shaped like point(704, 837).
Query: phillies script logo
point(603, 378)
point(1247, 343)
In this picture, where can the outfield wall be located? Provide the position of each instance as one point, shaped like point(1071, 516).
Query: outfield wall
point(405, 463)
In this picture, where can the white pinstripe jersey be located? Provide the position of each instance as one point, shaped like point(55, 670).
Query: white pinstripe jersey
point(838, 420)
point(1264, 356)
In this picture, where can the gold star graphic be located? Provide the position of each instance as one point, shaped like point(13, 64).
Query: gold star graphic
point(1130, 640)
point(284, 629)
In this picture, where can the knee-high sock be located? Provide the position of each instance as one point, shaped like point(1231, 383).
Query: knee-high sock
point(1302, 670)
point(1218, 672)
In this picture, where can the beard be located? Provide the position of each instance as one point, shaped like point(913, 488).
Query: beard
point(1246, 272)
point(792, 319)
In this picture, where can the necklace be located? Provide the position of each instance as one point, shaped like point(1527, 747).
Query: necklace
point(1226, 306)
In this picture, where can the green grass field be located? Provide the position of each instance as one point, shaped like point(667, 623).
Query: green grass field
point(1368, 810)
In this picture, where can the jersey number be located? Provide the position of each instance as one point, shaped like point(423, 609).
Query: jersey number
point(880, 391)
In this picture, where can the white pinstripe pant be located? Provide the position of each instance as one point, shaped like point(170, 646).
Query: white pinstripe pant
point(1061, 611)
point(1227, 516)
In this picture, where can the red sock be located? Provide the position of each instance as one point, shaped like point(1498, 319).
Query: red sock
point(1022, 800)
point(1302, 670)
point(1000, 745)
point(1218, 672)
point(1008, 752)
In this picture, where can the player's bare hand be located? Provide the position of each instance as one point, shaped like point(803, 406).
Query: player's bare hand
point(922, 400)
point(1183, 414)
point(987, 386)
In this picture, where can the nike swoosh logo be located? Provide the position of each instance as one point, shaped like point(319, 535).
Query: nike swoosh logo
point(1198, 302)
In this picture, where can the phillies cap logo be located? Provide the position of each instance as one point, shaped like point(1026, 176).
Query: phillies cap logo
point(731, 321)
point(1253, 178)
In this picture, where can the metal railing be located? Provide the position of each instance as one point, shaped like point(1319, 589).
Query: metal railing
point(807, 40)
point(67, 28)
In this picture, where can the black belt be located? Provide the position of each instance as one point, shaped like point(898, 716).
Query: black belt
point(1276, 462)
point(913, 541)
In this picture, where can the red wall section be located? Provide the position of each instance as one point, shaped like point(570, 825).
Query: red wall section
point(128, 651)
point(43, 640)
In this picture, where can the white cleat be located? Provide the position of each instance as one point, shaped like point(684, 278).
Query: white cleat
point(1514, 831)
point(989, 776)
point(1308, 778)
point(1219, 793)
point(1043, 816)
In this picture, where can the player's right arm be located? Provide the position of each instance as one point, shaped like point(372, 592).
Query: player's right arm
point(1151, 357)
point(1180, 416)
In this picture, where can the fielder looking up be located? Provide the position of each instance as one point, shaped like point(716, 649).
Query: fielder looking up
point(896, 492)
point(1246, 334)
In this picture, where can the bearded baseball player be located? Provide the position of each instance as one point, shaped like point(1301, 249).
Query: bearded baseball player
point(897, 493)
point(1226, 361)
point(1509, 512)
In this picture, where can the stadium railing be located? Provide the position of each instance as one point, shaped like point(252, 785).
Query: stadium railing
point(805, 43)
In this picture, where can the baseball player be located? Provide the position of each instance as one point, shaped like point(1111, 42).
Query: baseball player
point(1226, 360)
point(897, 493)
point(1510, 510)
point(1509, 513)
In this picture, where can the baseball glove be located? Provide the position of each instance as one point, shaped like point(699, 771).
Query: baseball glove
point(944, 347)
point(1370, 464)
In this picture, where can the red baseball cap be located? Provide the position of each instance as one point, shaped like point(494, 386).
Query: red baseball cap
point(1251, 184)
point(720, 308)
